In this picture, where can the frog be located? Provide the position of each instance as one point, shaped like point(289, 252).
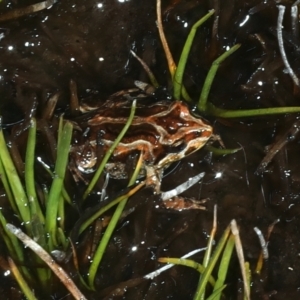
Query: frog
point(162, 131)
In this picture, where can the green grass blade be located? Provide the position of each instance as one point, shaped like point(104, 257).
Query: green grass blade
point(61, 213)
point(37, 218)
point(223, 268)
point(209, 248)
point(223, 113)
point(178, 76)
point(210, 243)
point(21, 280)
point(188, 263)
point(109, 231)
point(38, 231)
point(104, 242)
point(217, 293)
point(39, 235)
point(208, 270)
point(45, 194)
point(110, 151)
point(202, 104)
point(15, 183)
point(61, 221)
point(60, 130)
point(219, 152)
point(248, 274)
point(7, 189)
point(65, 194)
point(114, 202)
point(62, 238)
point(29, 172)
point(63, 148)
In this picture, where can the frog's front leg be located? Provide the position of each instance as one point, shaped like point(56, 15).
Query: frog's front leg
point(170, 198)
point(153, 178)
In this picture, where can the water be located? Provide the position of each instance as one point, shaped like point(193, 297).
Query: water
point(90, 42)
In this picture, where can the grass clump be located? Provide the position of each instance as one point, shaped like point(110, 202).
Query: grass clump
point(41, 222)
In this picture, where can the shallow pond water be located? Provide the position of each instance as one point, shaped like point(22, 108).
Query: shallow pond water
point(90, 42)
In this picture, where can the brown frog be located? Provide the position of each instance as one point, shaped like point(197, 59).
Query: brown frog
point(163, 132)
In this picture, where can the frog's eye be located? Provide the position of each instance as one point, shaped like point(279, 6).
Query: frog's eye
point(197, 133)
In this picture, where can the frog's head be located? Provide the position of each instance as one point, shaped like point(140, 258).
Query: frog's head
point(186, 133)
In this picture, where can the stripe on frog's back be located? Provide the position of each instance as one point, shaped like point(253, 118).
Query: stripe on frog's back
point(166, 120)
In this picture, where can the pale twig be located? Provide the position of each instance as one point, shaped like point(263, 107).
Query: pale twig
point(182, 187)
point(263, 243)
point(50, 107)
point(296, 3)
point(210, 242)
point(294, 19)
point(166, 267)
point(59, 272)
point(74, 101)
point(20, 12)
point(147, 70)
point(240, 254)
point(290, 71)
point(271, 227)
point(171, 63)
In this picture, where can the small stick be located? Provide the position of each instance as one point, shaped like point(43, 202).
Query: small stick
point(147, 70)
point(50, 107)
point(58, 270)
point(240, 254)
point(294, 77)
point(20, 12)
point(263, 243)
point(74, 102)
point(210, 242)
point(171, 63)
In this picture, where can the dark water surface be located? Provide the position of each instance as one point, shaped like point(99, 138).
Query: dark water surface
point(90, 42)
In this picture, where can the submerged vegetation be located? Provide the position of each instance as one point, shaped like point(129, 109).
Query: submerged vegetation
point(45, 233)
